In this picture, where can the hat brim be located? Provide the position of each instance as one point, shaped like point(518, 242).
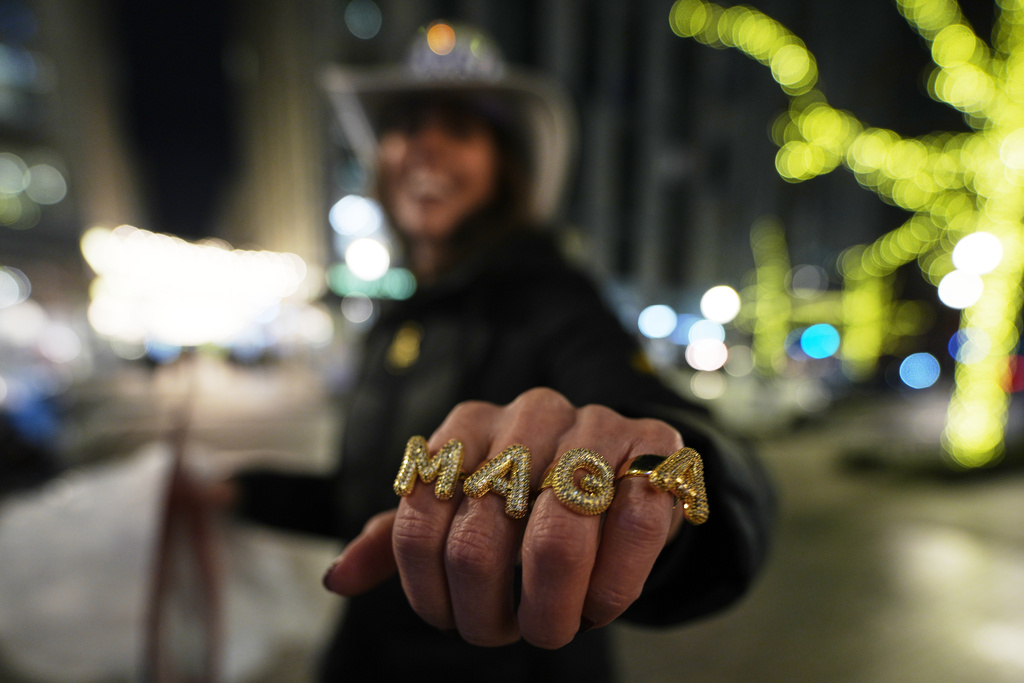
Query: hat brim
point(538, 110)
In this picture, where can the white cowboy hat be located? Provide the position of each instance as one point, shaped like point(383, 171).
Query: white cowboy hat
point(462, 61)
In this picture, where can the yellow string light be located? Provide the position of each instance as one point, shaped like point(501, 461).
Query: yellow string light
point(953, 184)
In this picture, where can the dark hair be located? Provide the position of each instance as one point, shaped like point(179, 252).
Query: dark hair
point(508, 212)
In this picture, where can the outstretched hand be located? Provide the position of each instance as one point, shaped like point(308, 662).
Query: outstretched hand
point(457, 557)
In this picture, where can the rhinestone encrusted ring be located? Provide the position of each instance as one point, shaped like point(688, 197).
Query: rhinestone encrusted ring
point(594, 492)
point(680, 474)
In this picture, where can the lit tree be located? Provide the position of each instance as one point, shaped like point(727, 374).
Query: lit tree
point(965, 193)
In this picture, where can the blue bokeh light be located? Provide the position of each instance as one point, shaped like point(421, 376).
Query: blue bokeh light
point(820, 341)
point(919, 370)
point(657, 321)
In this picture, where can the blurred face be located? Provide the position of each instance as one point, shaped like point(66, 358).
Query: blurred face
point(437, 168)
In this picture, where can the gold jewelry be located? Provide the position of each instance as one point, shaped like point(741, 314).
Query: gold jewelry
point(595, 491)
point(508, 475)
point(644, 465)
point(681, 474)
point(445, 466)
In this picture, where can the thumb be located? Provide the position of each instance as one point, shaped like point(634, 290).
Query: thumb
point(367, 561)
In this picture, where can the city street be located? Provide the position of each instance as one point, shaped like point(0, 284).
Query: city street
point(887, 567)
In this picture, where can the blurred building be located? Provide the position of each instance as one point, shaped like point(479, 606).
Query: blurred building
point(204, 118)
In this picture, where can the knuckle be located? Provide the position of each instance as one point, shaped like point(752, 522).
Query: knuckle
point(652, 431)
point(599, 424)
point(641, 525)
point(600, 415)
point(470, 553)
point(613, 600)
point(415, 537)
point(471, 410)
point(543, 398)
point(553, 542)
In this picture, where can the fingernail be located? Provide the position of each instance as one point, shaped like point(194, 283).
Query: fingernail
point(327, 573)
point(585, 625)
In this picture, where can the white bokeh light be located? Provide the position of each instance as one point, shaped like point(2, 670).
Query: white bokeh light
point(978, 253)
point(357, 307)
point(720, 304)
point(657, 321)
point(368, 259)
point(59, 343)
point(355, 216)
point(706, 354)
point(14, 287)
point(704, 330)
point(960, 289)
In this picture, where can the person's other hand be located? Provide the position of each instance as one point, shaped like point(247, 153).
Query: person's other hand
point(457, 557)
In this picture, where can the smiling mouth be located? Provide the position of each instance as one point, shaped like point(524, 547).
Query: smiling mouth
point(427, 186)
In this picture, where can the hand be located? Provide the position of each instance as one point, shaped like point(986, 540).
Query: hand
point(457, 557)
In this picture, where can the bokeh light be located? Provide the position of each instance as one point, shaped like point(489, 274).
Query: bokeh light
point(363, 18)
point(708, 386)
point(441, 38)
point(820, 341)
point(706, 330)
point(960, 289)
point(706, 354)
point(919, 370)
point(969, 345)
point(14, 286)
point(1015, 379)
point(46, 185)
point(720, 304)
point(807, 281)
point(657, 321)
point(755, 34)
point(396, 283)
point(740, 362)
point(162, 289)
point(367, 258)
point(13, 174)
point(357, 308)
point(58, 343)
point(23, 323)
point(978, 253)
point(356, 216)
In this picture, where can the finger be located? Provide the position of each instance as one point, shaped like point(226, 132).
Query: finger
point(635, 530)
point(367, 561)
point(560, 545)
point(484, 541)
point(422, 524)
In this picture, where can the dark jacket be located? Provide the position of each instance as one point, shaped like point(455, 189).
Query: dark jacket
point(515, 318)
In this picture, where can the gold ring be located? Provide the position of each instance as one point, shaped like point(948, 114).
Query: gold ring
point(644, 465)
point(508, 475)
point(445, 466)
point(594, 492)
point(681, 474)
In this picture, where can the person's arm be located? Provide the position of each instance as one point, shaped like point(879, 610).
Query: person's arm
point(302, 503)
